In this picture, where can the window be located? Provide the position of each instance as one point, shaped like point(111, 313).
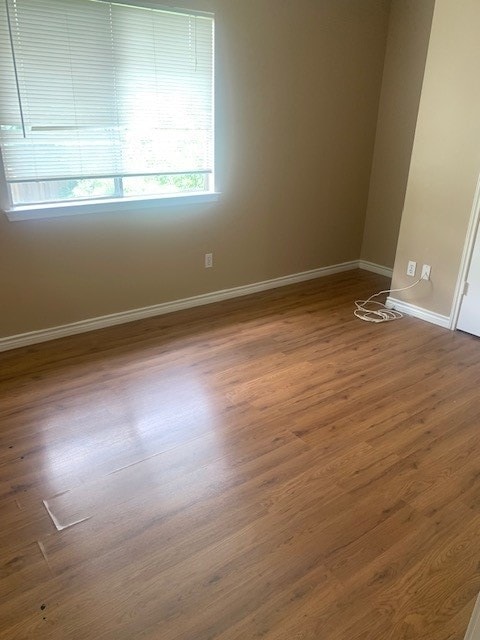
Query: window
point(102, 100)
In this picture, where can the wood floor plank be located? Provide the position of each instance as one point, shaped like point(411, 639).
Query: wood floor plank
point(434, 602)
point(267, 467)
point(21, 566)
point(351, 613)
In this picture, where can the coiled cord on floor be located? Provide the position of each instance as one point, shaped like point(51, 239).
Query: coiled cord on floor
point(382, 314)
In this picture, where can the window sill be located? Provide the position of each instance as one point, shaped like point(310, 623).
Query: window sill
point(57, 209)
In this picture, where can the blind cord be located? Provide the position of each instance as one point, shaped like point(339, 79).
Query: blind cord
point(382, 314)
point(15, 69)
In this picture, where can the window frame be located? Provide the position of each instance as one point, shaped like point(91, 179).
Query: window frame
point(132, 204)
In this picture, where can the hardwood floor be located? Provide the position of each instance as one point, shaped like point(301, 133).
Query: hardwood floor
point(267, 467)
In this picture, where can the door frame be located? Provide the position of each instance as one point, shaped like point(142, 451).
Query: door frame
point(473, 631)
point(473, 226)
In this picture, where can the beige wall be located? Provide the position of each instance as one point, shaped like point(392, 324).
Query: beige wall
point(407, 45)
point(298, 90)
point(446, 157)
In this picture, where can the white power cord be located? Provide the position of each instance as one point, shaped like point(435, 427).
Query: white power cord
point(382, 314)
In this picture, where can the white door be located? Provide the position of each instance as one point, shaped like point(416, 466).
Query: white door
point(469, 318)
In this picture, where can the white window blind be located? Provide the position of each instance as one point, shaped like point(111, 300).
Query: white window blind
point(99, 89)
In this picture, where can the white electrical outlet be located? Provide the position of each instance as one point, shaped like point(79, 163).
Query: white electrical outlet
point(412, 267)
point(426, 272)
point(208, 260)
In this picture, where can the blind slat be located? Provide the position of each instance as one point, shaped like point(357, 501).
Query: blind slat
point(104, 89)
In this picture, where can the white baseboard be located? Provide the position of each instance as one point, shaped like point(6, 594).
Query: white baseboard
point(473, 631)
point(418, 312)
point(43, 335)
point(375, 268)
